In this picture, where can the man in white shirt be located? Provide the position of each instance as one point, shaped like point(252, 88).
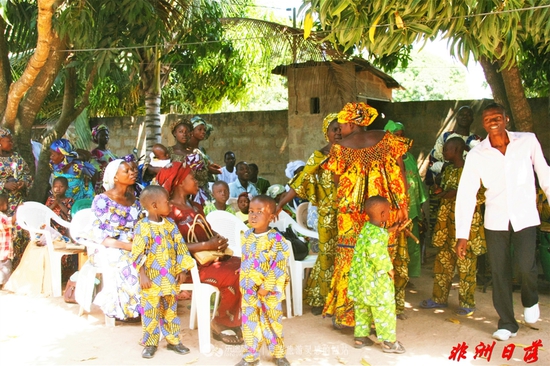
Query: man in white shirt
point(242, 184)
point(504, 164)
point(229, 173)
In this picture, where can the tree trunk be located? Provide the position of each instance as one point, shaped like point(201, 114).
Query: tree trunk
point(520, 108)
point(5, 78)
point(152, 105)
point(494, 79)
point(36, 63)
point(68, 114)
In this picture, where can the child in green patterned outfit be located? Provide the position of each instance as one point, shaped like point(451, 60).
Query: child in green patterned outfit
point(371, 280)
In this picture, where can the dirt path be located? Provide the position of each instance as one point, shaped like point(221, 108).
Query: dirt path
point(42, 331)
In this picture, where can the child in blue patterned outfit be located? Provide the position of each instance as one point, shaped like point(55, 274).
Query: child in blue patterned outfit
point(263, 278)
point(162, 260)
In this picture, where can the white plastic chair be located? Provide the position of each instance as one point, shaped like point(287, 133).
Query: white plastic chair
point(81, 226)
point(36, 219)
point(200, 307)
point(297, 268)
point(229, 226)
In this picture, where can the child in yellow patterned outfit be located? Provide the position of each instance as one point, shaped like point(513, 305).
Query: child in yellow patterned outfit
point(444, 238)
point(162, 259)
point(263, 278)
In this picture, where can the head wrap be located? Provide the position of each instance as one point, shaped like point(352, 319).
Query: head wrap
point(96, 130)
point(4, 132)
point(209, 129)
point(326, 122)
point(394, 126)
point(173, 174)
point(197, 121)
point(244, 194)
point(64, 147)
point(179, 122)
point(359, 113)
point(292, 166)
point(109, 174)
point(274, 190)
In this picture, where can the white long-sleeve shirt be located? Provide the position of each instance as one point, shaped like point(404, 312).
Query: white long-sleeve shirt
point(510, 182)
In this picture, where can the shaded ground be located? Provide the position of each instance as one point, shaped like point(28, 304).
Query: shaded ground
point(40, 331)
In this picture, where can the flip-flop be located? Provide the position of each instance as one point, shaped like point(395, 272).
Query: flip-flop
point(395, 347)
point(465, 311)
point(361, 342)
point(430, 304)
point(230, 339)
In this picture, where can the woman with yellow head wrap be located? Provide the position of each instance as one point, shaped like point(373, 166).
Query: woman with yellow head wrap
point(315, 184)
point(365, 163)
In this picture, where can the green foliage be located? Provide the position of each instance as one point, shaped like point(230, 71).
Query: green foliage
point(497, 30)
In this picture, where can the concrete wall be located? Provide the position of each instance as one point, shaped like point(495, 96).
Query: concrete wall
point(272, 138)
point(255, 137)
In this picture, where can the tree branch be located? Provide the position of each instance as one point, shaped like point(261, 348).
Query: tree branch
point(36, 63)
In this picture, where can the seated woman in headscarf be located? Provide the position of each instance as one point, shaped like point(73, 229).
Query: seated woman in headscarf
point(117, 210)
point(15, 176)
point(101, 155)
point(64, 162)
point(178, 179)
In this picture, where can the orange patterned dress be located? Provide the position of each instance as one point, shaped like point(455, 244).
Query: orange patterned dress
point(363, 173)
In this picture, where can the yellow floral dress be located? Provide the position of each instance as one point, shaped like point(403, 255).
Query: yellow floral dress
point(316, 185)
point(365, 172)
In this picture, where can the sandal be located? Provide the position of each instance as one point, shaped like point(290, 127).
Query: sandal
point(430, 304)
point(395, 347)
point(361, 342)
point(230, 339)
point(465, 311)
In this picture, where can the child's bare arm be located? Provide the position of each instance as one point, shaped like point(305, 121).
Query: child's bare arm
point(144, 281)
point(63, 208)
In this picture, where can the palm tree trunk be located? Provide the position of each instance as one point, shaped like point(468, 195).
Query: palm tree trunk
point(152, 106)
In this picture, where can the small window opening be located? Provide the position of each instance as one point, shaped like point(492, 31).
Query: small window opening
point(314, 106)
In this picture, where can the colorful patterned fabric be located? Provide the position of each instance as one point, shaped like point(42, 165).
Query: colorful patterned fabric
point(445, 263)
point(417, 196)
point(201, 174)
point(444, 230)
point(102, 158)
point(161, 311)
point(316, 185)
point(221, 274)
point(360, 114)
point(120, 296)
point(443, 237)
point(160, 248)
point(209, 207)
point(327, 121)
point(14, 166)
point(6, 245)
point(370, 286)
point(363, 173)
point(78, 173)
point(96, 130)
point(263, 266)
point(369, 282)
point(382, 316)
point(69, 263)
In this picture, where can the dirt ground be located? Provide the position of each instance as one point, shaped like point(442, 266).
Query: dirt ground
point(46, 331)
